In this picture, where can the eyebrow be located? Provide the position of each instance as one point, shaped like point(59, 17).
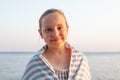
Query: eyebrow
point(47, 26)
point(56, 25)
point(59, 24)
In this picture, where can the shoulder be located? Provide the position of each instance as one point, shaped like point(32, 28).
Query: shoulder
point(34, 67)
point(75, 52)
point(79, 56)
point(78, 53)
point(36, 59)
point(33, 62)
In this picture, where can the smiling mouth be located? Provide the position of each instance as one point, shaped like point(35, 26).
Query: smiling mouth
point(56, 40)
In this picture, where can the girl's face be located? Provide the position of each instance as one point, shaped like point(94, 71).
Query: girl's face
point(54, 30)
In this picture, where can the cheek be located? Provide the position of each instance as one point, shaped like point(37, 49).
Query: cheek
point(45, 36)
point(65, 34)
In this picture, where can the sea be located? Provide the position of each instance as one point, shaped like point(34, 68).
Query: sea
point(103, 65)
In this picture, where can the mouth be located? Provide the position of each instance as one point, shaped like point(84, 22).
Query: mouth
point(56, 39)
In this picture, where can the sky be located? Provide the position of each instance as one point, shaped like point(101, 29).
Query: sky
point(94, 25)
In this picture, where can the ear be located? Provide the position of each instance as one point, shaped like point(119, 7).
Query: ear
point(40, 32)
point(67, 28)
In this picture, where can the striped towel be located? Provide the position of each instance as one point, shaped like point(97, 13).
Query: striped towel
point(37, 69)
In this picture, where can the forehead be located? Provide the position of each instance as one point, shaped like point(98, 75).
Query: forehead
point(53, 13)
point(53, 17)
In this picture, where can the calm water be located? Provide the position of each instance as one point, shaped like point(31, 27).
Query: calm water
point(103, 66)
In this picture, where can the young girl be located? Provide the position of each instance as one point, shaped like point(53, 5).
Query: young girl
point(57, 60)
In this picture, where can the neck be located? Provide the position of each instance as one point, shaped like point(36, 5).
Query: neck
point(59, 58)
point(60, 50)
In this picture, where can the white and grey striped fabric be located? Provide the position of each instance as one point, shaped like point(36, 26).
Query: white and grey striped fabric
point(38, 70)
point(62, 75)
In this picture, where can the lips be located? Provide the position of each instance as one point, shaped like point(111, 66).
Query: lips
point(56, 39)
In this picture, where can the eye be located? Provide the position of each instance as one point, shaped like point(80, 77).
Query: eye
point(60, 28)
point(48, 30)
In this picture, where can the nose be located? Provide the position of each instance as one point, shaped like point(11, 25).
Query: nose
point(55, 33)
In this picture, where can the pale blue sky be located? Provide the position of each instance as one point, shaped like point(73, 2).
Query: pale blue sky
point(94, 24)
